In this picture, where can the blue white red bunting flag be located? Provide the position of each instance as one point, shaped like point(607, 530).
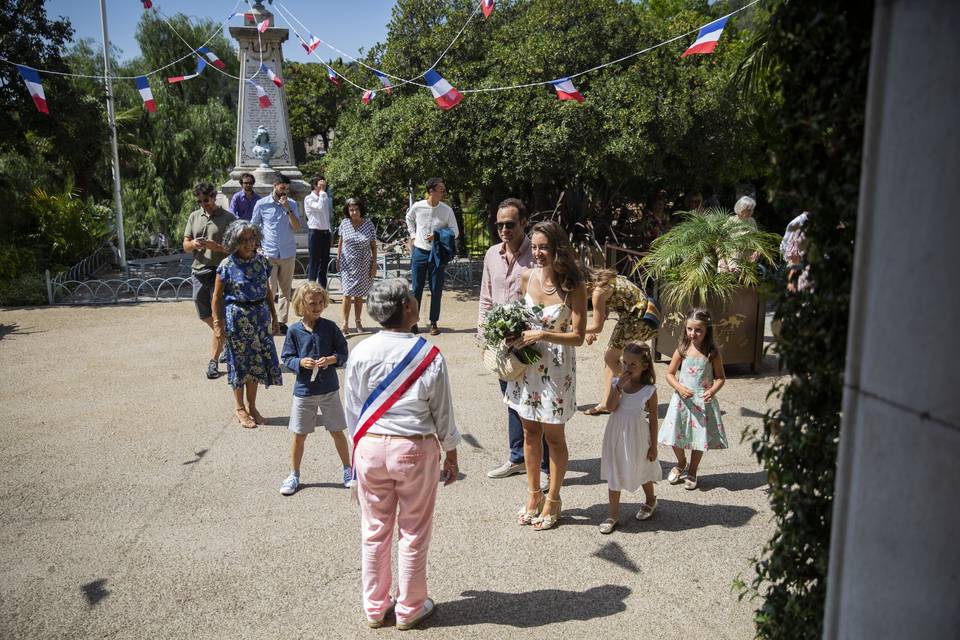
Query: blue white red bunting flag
point(332, 76)
point(487, 8)
point(147, 4)
point(212, 57)
point(445, 95)
point(201, 65)
point(262, 96)
point(263, 26)
point(385, 81)
point(277, 80)
point(311, 45)
point(368, 96)
point(707, 39)
point(32, 79)
point(144, 88)
point(565, 89)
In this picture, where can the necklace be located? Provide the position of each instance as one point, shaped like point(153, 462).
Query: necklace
point(547, 290)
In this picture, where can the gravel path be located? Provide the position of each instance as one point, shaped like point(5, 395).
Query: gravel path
point(134, 506)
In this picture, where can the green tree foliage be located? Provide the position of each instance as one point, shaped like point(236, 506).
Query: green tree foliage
point(817, 52)
point(314, 102)
point(653, 121)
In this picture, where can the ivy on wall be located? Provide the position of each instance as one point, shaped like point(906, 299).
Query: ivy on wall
point(818, 55)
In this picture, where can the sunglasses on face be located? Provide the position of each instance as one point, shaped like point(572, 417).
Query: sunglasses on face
point(506, 225)
point(206, 199)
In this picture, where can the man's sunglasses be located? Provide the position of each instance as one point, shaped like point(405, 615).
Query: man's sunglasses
point(506, 225)
point(206, 199)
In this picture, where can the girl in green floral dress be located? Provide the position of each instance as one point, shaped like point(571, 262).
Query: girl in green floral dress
point(693, 418)
point(243, 284)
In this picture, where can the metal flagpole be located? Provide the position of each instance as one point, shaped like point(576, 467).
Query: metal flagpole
point(111, 116)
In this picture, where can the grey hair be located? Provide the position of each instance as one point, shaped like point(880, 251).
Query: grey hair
point(385, 301)
point(231, 238)
point(746, 202)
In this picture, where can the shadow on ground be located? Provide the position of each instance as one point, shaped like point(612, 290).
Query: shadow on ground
point(671, 515)
point(530, 609)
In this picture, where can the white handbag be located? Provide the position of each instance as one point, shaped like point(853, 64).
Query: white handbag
point(502, 361)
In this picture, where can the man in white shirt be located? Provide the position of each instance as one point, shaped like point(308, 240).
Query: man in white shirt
point(424, 219)
point(318, 206)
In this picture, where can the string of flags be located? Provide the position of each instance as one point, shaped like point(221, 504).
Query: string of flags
point(444, 94)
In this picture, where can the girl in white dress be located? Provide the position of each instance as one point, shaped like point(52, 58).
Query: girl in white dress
point(629, 458)
point(545, 397)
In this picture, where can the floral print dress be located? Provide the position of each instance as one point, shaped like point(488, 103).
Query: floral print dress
point(691, 423)
point(250, 351)
point(547, 390)
point(630, 303)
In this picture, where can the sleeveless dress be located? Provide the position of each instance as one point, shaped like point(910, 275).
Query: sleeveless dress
point(547, 390)
point(691, 424)
point(630, 303)
point(355, 280)
point(250, 351)
point(623, 461)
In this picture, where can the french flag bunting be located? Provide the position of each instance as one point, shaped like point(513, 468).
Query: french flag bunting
point(32, 79)
point(708, 37)
point(487, 8)
point(332, 76)
point(201, 65)
point(147, 4)
point(368, 96)
point(263, 26)
point(385, 81)
point(277, 80)
point(566, 90)
point(212, 57)
point(312, 45)
point(262, 96)
point(445, 95)
point(144, 88)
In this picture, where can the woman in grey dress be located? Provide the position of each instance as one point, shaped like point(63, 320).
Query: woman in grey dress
point(356, 260)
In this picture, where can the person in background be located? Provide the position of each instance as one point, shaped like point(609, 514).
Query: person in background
point(202, 237)
point(278, 217)
point(503, 265)
point(318, 205)
point(424, 219)
point(243, 201)
point(356, 260)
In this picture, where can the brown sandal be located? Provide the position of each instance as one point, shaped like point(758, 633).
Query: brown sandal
point(596, 411)
point(245, 420)
point(257, 417)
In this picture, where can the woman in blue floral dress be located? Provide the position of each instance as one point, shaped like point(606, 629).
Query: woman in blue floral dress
point(243, 300)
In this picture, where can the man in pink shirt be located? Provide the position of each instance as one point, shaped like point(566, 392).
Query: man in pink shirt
point(502, 266)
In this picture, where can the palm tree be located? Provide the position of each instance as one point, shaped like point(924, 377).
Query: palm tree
point(708, 256)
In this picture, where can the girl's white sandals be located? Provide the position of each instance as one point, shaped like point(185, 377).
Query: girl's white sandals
point(675, 476)
point(608, 525)
point(690, 482)
point(646, 510)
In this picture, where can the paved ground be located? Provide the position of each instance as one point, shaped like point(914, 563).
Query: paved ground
point(134, 506)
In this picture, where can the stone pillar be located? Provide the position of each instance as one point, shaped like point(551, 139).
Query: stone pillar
point(267, 47)
point(894, 557)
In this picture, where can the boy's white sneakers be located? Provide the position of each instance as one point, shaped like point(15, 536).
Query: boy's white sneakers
point(290, 485)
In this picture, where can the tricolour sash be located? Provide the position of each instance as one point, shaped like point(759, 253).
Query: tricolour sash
point(392, 388)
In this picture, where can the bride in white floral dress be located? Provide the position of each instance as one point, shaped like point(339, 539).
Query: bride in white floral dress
point(545, 397)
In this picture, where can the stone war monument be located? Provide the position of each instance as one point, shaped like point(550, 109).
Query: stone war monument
point(264, 146)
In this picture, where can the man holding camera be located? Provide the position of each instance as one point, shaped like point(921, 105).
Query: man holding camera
point(279, 219)
point(202, 237)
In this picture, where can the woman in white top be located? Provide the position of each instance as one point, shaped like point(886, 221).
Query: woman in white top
point(545, 397)
point(397, 461)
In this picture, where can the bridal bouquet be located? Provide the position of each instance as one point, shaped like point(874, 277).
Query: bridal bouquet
point(503, 323)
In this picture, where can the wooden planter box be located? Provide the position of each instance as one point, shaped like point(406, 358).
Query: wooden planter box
point(738, 327)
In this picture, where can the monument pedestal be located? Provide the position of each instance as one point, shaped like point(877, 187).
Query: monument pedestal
point(263, 155)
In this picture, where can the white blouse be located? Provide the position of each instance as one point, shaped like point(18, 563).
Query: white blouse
point(426, 407)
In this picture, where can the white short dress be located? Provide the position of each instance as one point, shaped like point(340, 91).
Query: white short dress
point(547, 392)
point(623, 462)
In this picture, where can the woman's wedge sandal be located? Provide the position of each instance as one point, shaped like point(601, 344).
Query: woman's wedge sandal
point(525, 517)
point(549, 521)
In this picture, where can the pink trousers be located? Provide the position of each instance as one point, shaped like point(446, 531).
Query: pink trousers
point(392, 474)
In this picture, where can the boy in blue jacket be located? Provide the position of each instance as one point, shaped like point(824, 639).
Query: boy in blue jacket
point(313, 348)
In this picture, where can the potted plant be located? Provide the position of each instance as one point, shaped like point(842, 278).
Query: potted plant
point(712, 259)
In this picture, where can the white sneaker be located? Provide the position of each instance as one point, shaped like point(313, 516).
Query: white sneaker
point(425, 612)
point(290, 485)
point(507, 469)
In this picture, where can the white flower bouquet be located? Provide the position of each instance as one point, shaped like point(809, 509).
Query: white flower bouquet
point(505, 322)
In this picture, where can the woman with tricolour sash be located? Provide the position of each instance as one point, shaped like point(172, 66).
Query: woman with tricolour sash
point(400, 410)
